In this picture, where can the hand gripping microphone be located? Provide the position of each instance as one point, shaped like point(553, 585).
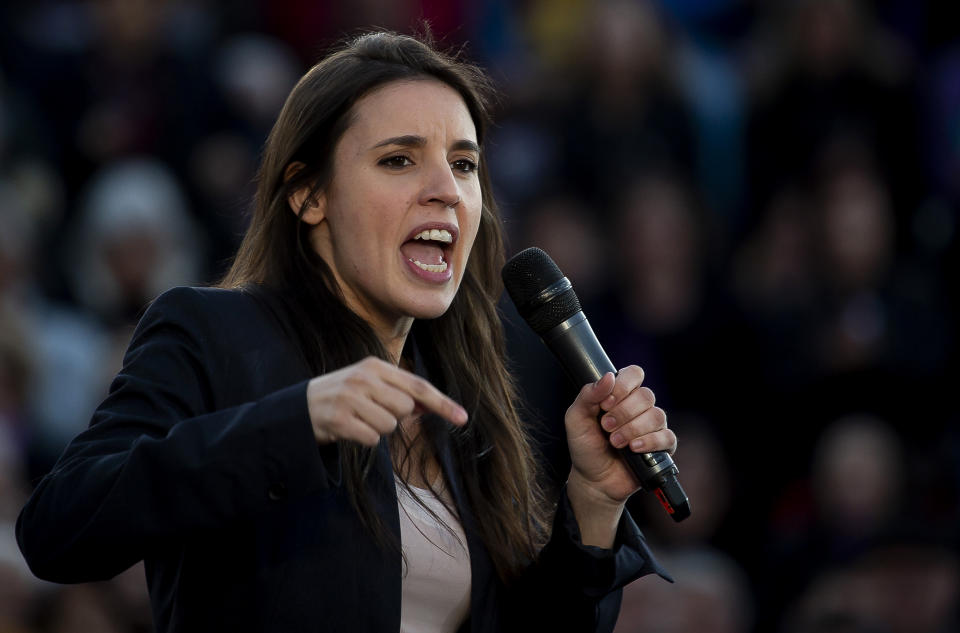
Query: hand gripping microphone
point(546, 301)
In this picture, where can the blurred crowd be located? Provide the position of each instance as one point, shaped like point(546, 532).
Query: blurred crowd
point(756, 200)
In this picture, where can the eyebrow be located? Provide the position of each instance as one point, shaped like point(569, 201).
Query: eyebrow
point(411, 140)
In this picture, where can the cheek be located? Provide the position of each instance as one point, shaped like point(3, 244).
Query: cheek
point(356, 235)
point(470, 228)
point(469, 221)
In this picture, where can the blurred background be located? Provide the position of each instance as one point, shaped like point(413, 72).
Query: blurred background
point(756, 200)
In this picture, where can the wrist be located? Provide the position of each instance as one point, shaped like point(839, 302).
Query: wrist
point(596, 513)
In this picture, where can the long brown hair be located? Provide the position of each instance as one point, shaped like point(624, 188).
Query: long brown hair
point(466, 352)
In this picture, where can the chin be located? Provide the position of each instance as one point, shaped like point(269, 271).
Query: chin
point(431, 309)
point(426, 314)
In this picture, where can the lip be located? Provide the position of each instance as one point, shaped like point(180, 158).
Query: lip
point(426, 275)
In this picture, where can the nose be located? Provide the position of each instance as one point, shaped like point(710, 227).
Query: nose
point(440, 186)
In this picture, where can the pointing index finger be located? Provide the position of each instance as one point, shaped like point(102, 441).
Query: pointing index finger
point(428, 396)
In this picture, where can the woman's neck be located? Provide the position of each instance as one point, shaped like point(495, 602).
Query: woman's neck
point(392, 334)
point(393, 342)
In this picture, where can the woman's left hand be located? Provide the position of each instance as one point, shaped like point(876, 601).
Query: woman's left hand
point(598, 476)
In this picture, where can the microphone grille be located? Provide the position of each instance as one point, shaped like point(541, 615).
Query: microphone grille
point(526, 275)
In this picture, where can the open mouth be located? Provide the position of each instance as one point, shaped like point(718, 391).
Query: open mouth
point(429, 249)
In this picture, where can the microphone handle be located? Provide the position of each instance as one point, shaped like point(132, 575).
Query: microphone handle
point(584, 360)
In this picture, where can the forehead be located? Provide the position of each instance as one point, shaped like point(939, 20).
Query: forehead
point(423, 107)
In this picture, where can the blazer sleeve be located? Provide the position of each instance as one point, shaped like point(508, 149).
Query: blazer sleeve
point(578, 587)
point(157, 463)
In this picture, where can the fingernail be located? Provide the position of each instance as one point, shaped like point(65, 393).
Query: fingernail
point(617, 440)
point(462, 414)
point(608, 423)
point(636, 444)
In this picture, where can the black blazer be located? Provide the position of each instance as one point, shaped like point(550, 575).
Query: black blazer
point(202, 462)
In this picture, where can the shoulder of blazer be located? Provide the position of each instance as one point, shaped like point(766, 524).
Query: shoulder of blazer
point(217, 320)
point(204, 298)
point(232, 335)
point(215, 309)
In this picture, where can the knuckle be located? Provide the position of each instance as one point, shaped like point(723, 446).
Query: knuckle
point(620, 385)
point(386, 422)
point(628, 379)
point(322, 431)
point(370, 362)
point(340, 411)
point(369, 438)
point(660, 418)
point(420, 388)
point(636, 428)
point(380, 426)
point(648, 396)
point(663, 440)
point(405, 404)
point(356, 379)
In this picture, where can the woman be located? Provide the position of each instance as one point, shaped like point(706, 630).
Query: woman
point(328, 442)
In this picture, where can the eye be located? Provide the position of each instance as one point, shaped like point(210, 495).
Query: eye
point(465, 165)
point(396, 162)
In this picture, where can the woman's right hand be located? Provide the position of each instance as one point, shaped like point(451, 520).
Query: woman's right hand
point(365, 400)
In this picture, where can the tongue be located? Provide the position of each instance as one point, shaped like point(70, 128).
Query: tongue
point(423, 252)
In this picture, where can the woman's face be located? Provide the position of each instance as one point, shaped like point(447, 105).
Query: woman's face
point(398, 220)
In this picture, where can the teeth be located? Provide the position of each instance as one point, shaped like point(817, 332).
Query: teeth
point(433, 268)
point(435, 235)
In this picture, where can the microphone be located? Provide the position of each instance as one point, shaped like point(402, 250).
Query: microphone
point(546, 301)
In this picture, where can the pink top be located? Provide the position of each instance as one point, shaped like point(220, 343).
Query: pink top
point(436, 571)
